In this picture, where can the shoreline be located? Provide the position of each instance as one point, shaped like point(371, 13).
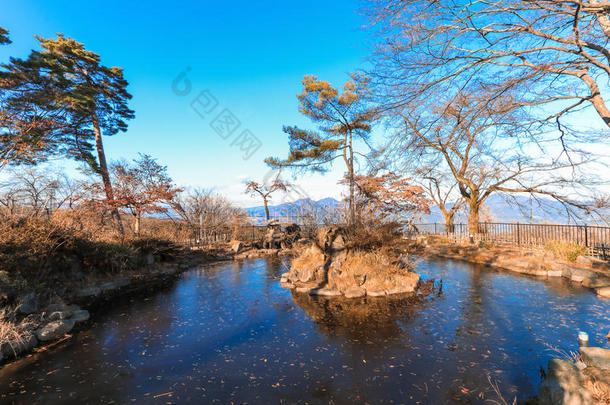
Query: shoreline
point(589, 273)
point(56, 321)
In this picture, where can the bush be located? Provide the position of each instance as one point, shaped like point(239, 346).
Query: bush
point(566, 250)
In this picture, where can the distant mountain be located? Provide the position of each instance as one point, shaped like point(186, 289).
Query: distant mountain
point(500, 208)
point(515, 208)
point(294, 209)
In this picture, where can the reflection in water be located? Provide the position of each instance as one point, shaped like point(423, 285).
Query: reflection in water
point(228, 333)
point(364, 319)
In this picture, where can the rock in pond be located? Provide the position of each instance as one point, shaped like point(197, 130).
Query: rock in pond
point(114, 285)
point(92, 291)
point(563, 385)
point(54, 330)
point(400, 290)
point(596, 357)
point(80, 315)
point(354, 292)
point(603, 292)
point(324, 292)
point(236, 247)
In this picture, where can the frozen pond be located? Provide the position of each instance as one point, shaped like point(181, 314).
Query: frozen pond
point(228, 333)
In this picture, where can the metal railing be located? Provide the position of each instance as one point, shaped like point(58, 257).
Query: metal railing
point(595, 238)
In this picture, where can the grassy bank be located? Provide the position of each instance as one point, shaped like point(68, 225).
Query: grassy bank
point(50, 255)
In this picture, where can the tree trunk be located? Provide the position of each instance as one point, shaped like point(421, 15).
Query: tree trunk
point(352, 208)
point(266, 207)
point(138, 223)
point(449, 222)
point(473, 218)
point(99, 146)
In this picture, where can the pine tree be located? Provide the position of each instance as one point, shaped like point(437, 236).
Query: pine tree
point(88, 100)
point(340, 118)
point(28, 119)
point(4, 39)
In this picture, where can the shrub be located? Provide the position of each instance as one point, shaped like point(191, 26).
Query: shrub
point(566, 250)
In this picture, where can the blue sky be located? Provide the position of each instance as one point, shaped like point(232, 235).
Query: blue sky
point(251, 56)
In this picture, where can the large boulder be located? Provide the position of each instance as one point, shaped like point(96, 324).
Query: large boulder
point(564, 385)
point(54, 330)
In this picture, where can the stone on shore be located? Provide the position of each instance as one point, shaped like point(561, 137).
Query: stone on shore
point(54, 330)
point(324, 292)
point(603, 291)
point(80, 316)
point(114, 285)
point(11, 349)
point(58, 315)
point(92, 291)
point(354, 292)
point(596, 357)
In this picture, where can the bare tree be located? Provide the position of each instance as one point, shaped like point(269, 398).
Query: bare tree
point(441, 188)
point(488, 149)
point(554, 51)
point(32, 190)
point(206, 211)
point(266, 190)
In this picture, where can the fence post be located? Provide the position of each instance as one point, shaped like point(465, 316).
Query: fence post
point(518, 234)
point(586, 236)
point(435, 228)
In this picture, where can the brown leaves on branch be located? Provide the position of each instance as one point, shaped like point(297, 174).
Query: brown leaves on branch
point(389, 197)
point(140, 187)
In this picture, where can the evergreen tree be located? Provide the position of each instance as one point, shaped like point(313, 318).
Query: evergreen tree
point(85, 99)
point(340, 118)
point(4, 39)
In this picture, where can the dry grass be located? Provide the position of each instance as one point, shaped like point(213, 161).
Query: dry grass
point(309, 258)
point(10, 334)
point(566, 250)
point(43, 253)
point(496, 390)
point(373, 270)
point(600, 391)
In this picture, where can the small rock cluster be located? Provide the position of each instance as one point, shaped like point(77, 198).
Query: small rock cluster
point(36, 326)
